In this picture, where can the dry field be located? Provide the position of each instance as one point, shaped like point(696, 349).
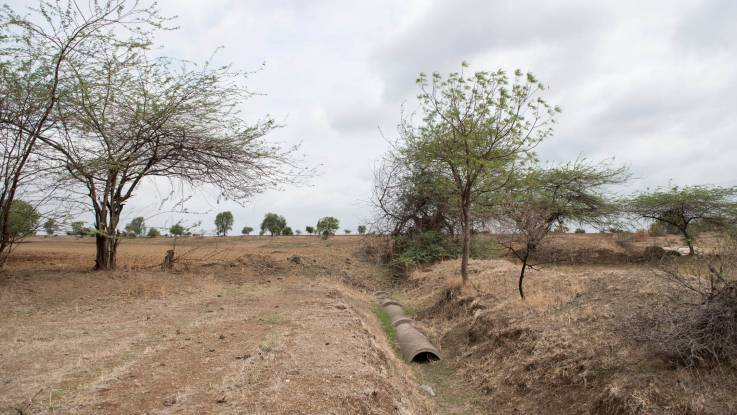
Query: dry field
point(262, 325)
point(241, 326)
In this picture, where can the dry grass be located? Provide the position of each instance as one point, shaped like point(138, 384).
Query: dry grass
point(566, 348)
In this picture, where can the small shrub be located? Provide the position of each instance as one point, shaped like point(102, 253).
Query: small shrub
point(580, 230)
point(422, 248)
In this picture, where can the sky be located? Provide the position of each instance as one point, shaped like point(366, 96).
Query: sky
point(652, 84)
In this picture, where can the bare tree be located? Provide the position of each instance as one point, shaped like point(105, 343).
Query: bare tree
point(131, 117)
point(34, 52)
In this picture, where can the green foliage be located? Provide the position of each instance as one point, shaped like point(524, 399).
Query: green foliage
point(309, 229)
point(22, 219)
point(361, 229)
point(347, 231)
point(223, 222)
point(153, 233)
point(681, 208)
point(327, 226)
point(50, 226)
point(246, 230)
point(580, 230)
point(137, 226)
point(273, 223)
point(287, 231)
point(177, 229)
point(423, 248)
point(77, 228)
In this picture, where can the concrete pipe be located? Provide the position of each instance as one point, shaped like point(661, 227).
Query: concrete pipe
point(415, 347)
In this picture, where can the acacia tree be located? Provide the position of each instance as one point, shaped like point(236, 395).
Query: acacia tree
point(545, 198)
point(683, 207)
point(473, 130)
point(34, 52)
point(273, 223)
point(130, 118)
point(223, 222)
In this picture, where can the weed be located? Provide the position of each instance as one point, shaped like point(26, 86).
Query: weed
point(386, 325)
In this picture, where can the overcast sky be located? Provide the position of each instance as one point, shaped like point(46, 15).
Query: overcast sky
point(651, 83)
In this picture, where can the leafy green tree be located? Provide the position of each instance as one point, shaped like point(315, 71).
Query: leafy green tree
point(361, 229)
point(298, 231)
point(50, 226)
point(473, 130)
point(77, 228)
point(327, 226)
point(223, 223)
point(177, 229)
point(682, 208)
point(310, 230)
point(544, 199)
point(153, 233)
point(347, 231)
point(137, 226)
point(273, 223)
point(287, 231)
point(246, 230)
point(22, 220)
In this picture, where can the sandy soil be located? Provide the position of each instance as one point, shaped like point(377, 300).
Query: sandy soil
point(244, 325)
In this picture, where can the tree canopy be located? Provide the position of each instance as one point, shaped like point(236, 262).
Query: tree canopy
point(327, 226)
point(137, 226)
point(273, 223)
point(684, 207)
point(223, 223)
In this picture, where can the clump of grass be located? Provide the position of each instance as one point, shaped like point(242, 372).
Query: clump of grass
point(386, 325)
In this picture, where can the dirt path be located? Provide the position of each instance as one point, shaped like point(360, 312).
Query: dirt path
point(195, 343)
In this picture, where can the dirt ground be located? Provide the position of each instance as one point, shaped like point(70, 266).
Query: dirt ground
point(243, 325)
point(261, 325)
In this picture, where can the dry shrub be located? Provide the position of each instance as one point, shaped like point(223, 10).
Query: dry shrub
point(698, 325)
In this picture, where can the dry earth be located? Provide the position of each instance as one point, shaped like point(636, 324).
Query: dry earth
point(244, 325)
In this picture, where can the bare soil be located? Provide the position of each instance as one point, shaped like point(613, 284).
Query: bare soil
point(243, 325)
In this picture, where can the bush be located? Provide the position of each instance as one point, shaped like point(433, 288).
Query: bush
point(153, 233)
point(421, 249)
point(580, 230)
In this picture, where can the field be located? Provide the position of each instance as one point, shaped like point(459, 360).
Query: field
point(261, 325)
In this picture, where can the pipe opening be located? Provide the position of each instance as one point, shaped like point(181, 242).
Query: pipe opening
point(425, 357)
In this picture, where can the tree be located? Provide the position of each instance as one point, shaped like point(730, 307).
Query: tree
point(310, 230)
point(132, 117)
point(473, 130)
point(347, 231)
point(273, 223)
point(246, 230)
point(361, 229)
point(50, 226)
point(22, 220)
point(545, 198)
point(153, 233)
point(223, 223)
point(683, 207)
point(298, 231)
point(177, 229)
point(137, 226)
point(77, 228)
point(287, 231)
point(327, 226)
point(35, 51)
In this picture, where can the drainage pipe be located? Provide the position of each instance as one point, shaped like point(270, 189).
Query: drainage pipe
point(413, 345)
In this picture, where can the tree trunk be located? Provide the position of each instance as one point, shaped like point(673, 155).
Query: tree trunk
point(107, 249)
point(522, 274)
point(689, 242)
point(466, 208)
